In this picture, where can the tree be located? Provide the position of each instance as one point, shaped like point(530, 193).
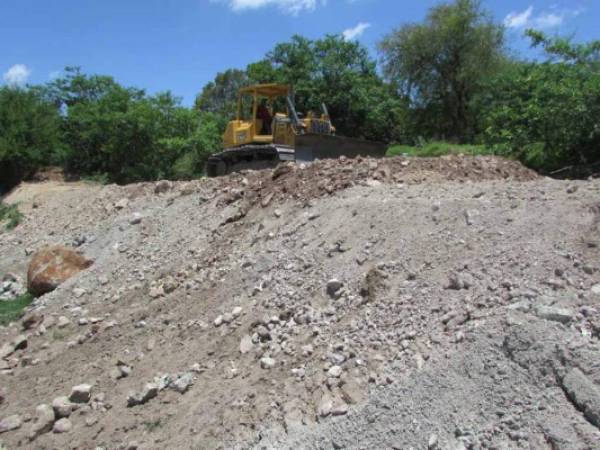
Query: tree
point(547, 114)
point(440, 66)
point(29, 133)
point(219, 96)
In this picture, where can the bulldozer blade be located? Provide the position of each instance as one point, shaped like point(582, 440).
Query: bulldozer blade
point(309, 147)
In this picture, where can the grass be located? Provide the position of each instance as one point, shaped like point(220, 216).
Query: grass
point(435, 148)
point(11, 215)
point(10, 310)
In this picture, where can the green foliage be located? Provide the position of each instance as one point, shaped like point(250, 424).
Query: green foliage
point(10, 214)
point(432, 149)
point(11, 310)
point(219, 96)
point(547, 114)
point(29, 133)
point(440, 66)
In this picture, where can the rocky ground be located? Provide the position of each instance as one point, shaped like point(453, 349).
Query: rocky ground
point(448, 303)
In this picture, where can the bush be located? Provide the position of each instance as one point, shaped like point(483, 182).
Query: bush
point(436, 148)
point(11, 310)
point(11, 215)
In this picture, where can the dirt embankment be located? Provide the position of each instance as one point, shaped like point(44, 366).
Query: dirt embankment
point(401, 303)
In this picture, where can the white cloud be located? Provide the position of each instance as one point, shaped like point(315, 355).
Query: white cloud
point(518, 19)
point(356, 32)
point(548, 19)
point(17, 75)
point(293, 7)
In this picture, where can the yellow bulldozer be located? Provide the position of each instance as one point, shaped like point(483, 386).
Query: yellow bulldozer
point(268, 130)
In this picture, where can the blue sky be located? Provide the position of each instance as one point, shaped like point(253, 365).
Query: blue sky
point(179, 45)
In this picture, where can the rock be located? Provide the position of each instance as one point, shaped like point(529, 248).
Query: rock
point(267, 363)
point(149, 392)
point(182, 383)
point(554, 313)
point(156, 291)
point(6, 350)
point(20, 342)
point(121, 204)
point(596, 289)
point(44, 419)
point(121, 371)
point(335, 371)
point(246, 344)
point(81, 393)
point(325, 405)
point(432, 444)
point(572, 189)
point(236, 312)
point(51, 266)
point(63, 322)
point(162, 186)
point(470, 215)
point(10, 423)
point(31, 320)
point(63, 407)
point(333, 286)
point(584, 394)
point(340, 409)
point(62, 426)
point(135, 219)
point(79, 292)
point(218, 321)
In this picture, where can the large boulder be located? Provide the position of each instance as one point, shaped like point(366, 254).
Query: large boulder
point(51, 266)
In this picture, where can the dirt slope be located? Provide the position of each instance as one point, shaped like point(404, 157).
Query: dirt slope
point(406, 303)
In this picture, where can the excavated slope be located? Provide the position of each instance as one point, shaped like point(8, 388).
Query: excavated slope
point(405, 303)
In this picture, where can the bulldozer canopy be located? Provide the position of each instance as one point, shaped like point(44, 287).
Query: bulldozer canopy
point(268, 90)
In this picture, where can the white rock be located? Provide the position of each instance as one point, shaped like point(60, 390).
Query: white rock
point(62, 426)
point(267, 363)
point(335, 371)
point(62, 407)
point(246, 344)
point(218, 321)
point(10, 423)
point(325, 405)
point(236, 312)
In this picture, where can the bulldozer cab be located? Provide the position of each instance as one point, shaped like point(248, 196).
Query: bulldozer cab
point(260, 104)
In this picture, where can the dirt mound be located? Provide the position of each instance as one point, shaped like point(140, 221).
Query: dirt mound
point(390, 311)
point(304, 182)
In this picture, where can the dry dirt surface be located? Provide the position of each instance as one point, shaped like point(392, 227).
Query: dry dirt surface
point(449, 303)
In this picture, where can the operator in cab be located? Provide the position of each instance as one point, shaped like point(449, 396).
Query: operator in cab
point(264, 114)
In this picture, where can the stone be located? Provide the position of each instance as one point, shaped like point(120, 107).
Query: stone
point(63, 407)
point(182, 383)
point(63, 425)
point(432, 444)
point(81, 393)
point(63, 322)
point(596, 289)
point(335, 371)
point(44, 420)
point(20, 342)
point(135, 219)
point(162, 186)
point(121, 204)
point(236, 312)
point(267, 363)
point(333, 286)
point(246, 344)
point(10, 423)
point(340, 409)
point(584, 394)
point(218, 321)
point(554, 314)
point(149, 392)
point(6, 350)
point(79, 292)
point(52, 266)
point(325, 405)
point(31, 320)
